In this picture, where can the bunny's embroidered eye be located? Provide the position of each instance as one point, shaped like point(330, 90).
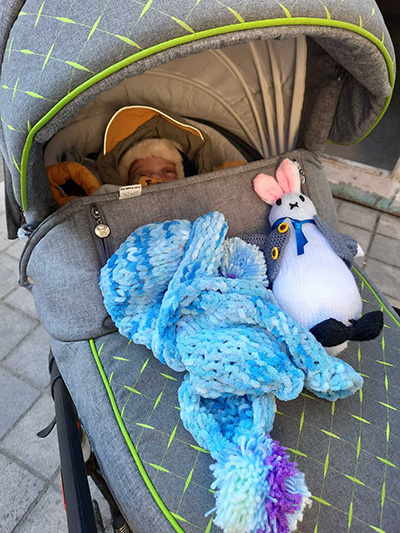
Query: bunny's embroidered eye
point(279, 201)
point(302, 198)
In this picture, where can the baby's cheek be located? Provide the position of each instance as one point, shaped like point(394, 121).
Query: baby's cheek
point(170, 178)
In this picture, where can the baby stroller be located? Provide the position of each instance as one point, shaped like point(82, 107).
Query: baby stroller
point(266, 80)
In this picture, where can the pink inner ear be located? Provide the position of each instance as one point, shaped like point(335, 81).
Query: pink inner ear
point(267, 188)
point(288, 176)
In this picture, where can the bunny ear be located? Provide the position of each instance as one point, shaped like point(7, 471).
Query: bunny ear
point(288, 176)
point(267, 188)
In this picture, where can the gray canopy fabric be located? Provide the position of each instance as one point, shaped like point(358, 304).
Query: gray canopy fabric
point(58, 57)
point(254, 91)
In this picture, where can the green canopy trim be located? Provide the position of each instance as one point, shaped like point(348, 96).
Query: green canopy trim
point(130, 444)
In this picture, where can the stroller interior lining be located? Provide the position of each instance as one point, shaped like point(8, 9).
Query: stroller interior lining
point(254, 90)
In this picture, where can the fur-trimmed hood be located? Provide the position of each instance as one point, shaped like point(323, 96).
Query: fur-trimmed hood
point(137, 132)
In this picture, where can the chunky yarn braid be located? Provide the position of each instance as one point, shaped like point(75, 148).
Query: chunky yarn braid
point(200, 302)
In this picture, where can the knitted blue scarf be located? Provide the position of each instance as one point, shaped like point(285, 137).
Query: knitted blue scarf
point(199, 301)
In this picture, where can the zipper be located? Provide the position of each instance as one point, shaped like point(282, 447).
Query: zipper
point(101, 231)
point(301, 171)
point(303, 182)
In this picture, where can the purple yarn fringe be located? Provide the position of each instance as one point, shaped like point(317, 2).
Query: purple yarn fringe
point(280, 502)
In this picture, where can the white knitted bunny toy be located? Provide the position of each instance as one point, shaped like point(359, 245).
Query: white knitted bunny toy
point(308, 265)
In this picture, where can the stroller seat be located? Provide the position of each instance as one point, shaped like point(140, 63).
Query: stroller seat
point(152, 462)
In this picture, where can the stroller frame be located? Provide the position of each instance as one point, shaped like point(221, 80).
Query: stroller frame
point(83, 514)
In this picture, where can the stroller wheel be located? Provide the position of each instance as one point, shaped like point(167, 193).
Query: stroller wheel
point(97, 518)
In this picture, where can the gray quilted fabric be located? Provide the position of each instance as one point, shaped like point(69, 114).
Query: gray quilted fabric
point(349, 450)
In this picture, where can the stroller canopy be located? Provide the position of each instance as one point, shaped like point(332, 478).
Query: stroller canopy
point(56, 58)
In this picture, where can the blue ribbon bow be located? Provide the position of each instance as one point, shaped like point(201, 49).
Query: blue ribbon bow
point(301, 239)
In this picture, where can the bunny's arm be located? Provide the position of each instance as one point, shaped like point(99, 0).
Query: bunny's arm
point(344, 245)
point(258, 239)
point(273, 247)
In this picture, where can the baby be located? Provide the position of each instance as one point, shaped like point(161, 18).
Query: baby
point(154, 161)
point(142, 145)
point(157, 169)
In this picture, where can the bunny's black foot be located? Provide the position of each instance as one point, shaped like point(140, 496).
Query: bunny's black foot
point(332, 332)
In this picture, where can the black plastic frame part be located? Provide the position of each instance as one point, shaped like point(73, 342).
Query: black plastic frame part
point(78, 500)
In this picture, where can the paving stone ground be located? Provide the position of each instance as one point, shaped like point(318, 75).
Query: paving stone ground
point(30, 490)
point(30, 495)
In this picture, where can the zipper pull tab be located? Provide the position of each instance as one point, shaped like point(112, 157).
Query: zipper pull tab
point(101, 230)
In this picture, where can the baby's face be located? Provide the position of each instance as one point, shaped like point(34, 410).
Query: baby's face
point(152, 167)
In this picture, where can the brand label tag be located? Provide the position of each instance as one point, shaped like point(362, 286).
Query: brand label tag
point(129, 191)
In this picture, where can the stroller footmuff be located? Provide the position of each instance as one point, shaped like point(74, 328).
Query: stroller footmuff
point(262, 82)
